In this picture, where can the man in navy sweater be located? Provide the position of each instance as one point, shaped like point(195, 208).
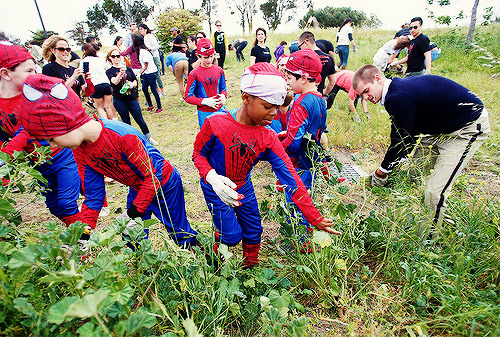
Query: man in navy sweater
point(450, 119)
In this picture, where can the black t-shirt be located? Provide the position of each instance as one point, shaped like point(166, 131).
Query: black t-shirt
point(220, 42)
point(416, 50)
point(192, 58)
point(261, 54)
point(177, 40)
point(54, 69)
point(328, 68)
point(325, 46)
point(129, 76)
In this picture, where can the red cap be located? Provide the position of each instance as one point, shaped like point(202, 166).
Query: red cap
point(305, 62)
point(204, 47)
point(48, 108)
point(11, 55)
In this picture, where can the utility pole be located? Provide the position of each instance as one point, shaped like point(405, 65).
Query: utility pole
point(40, 15)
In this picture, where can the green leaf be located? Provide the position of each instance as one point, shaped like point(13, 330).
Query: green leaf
point(37, 175)
point(5, 232)
point(267, 276)
point(278, 300)
point(7, 248)
point(57, 311)
point(340, 264)
point(235, 309)
point(191, 329)
point(138, 320)
point(92, 273)
point(22, 304)
point(22, 259)
point(223, 249)
point(70, 277)
point(6, 207)
point(305, 269)
point(250, 283)
point(338, 164)
point(122, 295)
point(87, 306)
point(72, 234)
point(321, 238)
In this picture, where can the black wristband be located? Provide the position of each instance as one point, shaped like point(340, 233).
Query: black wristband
point(133, 213)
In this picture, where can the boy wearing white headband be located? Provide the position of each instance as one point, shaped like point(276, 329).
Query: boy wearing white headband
point(226, 149)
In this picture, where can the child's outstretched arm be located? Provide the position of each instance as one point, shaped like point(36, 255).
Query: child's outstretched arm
point(325, 225)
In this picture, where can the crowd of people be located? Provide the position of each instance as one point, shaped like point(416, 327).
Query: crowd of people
point(283, 110)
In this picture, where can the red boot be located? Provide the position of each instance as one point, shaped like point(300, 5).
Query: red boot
point(250, 255)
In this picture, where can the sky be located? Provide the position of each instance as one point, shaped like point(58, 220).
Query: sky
point(61, 15)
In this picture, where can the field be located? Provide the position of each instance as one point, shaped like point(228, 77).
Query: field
point(376, 279)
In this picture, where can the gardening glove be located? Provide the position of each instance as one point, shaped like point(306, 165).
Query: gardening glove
point(222, 99)
point(377, 181)
point(224, 188)
point(394, 63)
point(354, 48)
point(133, 213)
point(210, 101)
point(336, 50)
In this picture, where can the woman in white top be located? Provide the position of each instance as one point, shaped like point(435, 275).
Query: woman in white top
point(153, 45)
point(148, 72)
point(344, 36)
point(389, 51)
point(95, 70)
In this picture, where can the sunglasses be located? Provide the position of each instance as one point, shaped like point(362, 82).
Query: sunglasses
point(218, 25)
point(114, 56)
point(413, 27)
point(62, 49)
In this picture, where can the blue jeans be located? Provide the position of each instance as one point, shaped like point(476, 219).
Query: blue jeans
point(127, 108)
point(343, 54)
point(239, 54)
point(149, 81)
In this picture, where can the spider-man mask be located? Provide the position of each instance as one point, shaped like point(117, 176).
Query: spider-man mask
point(48, 108)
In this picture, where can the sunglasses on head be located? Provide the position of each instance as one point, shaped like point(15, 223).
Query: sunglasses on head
point(114, 56)
point(62, 49)
point(413, 27)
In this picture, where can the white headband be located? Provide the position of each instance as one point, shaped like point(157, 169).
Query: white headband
point(270, 88)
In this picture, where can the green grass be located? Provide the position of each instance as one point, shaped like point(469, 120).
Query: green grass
point(377, 278)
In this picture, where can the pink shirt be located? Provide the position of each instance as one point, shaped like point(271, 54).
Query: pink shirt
point(344, 80)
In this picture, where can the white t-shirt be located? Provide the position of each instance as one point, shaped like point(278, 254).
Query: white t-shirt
point(388, 47)
point(152, 43)
point(343, 35)
point(97, 69)
point(146, 57)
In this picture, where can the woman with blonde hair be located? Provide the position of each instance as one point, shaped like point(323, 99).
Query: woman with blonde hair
point(57, 52)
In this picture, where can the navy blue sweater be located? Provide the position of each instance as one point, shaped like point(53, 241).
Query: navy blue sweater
point(426, 105)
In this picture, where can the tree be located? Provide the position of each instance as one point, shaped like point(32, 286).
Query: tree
point(188, 21)
point(335, 16)
point(210, 8)
point(78, 33)
point(447, 19)
point(39, 36)
point(246, 9)
point(122, 12)
point(274, 11)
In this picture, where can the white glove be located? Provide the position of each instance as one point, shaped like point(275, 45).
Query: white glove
point(377, 181)
point(394, 63)
point(131, 224)
point(224, 188)
point(222, 99)
point(210, 101)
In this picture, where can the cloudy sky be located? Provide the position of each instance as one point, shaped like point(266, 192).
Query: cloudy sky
point(61, 15)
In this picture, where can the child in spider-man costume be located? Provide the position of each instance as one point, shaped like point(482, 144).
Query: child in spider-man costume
point(206, 85)
point(307, 118)
point(48, 110)
point(230, 144)
point(62, 189)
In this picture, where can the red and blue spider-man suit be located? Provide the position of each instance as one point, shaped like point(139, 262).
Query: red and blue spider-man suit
point(203, 83)
point(124, 154)
point(233, 149)
point(63, 186)
point(50, 109)
point(307, 116)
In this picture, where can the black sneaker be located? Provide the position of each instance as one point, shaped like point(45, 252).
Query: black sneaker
point(90, 104)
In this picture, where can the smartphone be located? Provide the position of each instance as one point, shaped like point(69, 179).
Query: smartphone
point(85, 67)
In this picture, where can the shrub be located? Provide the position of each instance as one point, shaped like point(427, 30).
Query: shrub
point(188, 21)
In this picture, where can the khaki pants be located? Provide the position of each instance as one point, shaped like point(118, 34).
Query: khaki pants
point(180, 70)
point(447, 155)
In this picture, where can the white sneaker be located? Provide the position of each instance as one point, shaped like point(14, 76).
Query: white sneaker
point(153, 141)
point(104, 212)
